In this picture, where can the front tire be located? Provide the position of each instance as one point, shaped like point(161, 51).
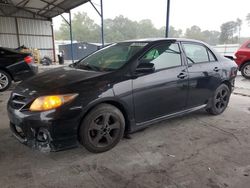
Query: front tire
point(5, 81)
point(102, 128)
point(220, 100)
point(245, 70)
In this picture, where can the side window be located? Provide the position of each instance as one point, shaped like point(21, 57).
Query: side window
point(197, 53)
point(248, 45)
point(211, 56)
point(163, 56)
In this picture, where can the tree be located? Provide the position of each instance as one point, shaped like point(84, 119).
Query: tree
point(118, 29)
point(239, 24)
point(84, 29)
point(228, 30)
point(146, 29)
point(194, 33)
point(175, 33)
point(211, 37)
point(248, 18)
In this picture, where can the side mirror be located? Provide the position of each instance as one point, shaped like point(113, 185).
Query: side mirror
point(145, 68)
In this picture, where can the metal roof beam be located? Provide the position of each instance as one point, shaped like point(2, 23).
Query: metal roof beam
point(23, 3)
point(27, 9)
point(53, 4)
point(98, 12)
point(3, 12)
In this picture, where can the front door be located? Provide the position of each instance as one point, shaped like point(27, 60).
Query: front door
point(165, 90)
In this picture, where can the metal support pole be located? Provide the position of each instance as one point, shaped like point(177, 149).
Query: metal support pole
point(101, 15)
point(17, 32)
point(71, 37)
point(53, 41)
point(102, 29)
point(167, 19)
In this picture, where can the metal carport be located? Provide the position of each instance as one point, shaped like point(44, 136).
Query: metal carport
point(29, 22)
point(23, 21)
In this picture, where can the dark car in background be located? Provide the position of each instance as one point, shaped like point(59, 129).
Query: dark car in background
point(119, 90)
point(15, 66)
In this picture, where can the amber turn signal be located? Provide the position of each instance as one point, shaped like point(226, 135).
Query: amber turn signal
point(51, 102)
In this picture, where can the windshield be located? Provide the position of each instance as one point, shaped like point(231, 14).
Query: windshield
point(112, 57)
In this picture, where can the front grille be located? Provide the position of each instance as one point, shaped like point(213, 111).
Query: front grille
point(18, 97)
point(18, 101)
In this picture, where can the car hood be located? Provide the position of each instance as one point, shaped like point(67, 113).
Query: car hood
point(55, 80)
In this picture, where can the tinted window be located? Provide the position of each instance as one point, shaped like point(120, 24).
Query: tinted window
point(112, 57)
point(163, 56)
point(196, 53)
point(248, 46)
point(211, 56)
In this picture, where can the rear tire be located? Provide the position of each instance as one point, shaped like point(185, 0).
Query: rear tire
point(245, 70)
point(5, 81)
point(220, 100)
point(102, 128)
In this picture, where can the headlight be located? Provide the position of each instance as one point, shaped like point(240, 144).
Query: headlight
point(51, 102)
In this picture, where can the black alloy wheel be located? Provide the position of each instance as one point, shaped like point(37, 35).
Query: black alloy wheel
point(102, 128)
point(220, 100)
point(245, 70)
point(5, 80)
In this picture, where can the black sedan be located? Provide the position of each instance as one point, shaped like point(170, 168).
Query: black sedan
point(119, 90)
point(15, 66)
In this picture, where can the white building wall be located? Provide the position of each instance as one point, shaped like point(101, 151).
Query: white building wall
point(28, 32)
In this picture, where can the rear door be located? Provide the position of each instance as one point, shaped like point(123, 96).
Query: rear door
point(204, 73)
point(163, 91)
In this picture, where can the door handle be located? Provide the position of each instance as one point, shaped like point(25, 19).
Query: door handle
point(216, 69)
point(182, 75)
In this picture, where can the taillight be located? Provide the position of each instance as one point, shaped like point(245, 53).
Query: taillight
point(28, 59)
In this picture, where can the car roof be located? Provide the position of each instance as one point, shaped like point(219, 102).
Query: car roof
point(163, 39)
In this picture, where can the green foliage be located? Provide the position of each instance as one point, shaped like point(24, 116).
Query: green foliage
point(84, 29)
point(194, 33)
point(121, 28)
point(117, 29)
point(228, 30)
point(210, 37)
point(173, 32)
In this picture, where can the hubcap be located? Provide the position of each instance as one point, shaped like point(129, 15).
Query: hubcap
point(3, 81)
point(104, 130)
point(247, 70)
point(221, 99)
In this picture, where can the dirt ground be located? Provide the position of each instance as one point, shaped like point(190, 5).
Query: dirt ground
point(196, 151)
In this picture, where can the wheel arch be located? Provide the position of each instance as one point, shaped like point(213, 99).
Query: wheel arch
point(7, 71)
point(242, 64)
point(116, 104)
point(228, 83)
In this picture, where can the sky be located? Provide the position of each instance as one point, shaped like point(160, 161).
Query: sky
point(207, 14)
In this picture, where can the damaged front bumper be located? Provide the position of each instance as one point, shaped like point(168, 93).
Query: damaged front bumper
point(35, 138)
point(44, 131)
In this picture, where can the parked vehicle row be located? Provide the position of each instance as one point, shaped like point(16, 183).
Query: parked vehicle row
point(118, 90)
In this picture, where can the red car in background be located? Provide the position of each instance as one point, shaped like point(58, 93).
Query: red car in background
point(243, 59)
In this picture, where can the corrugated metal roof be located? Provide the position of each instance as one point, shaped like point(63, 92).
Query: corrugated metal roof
point(39, 8)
